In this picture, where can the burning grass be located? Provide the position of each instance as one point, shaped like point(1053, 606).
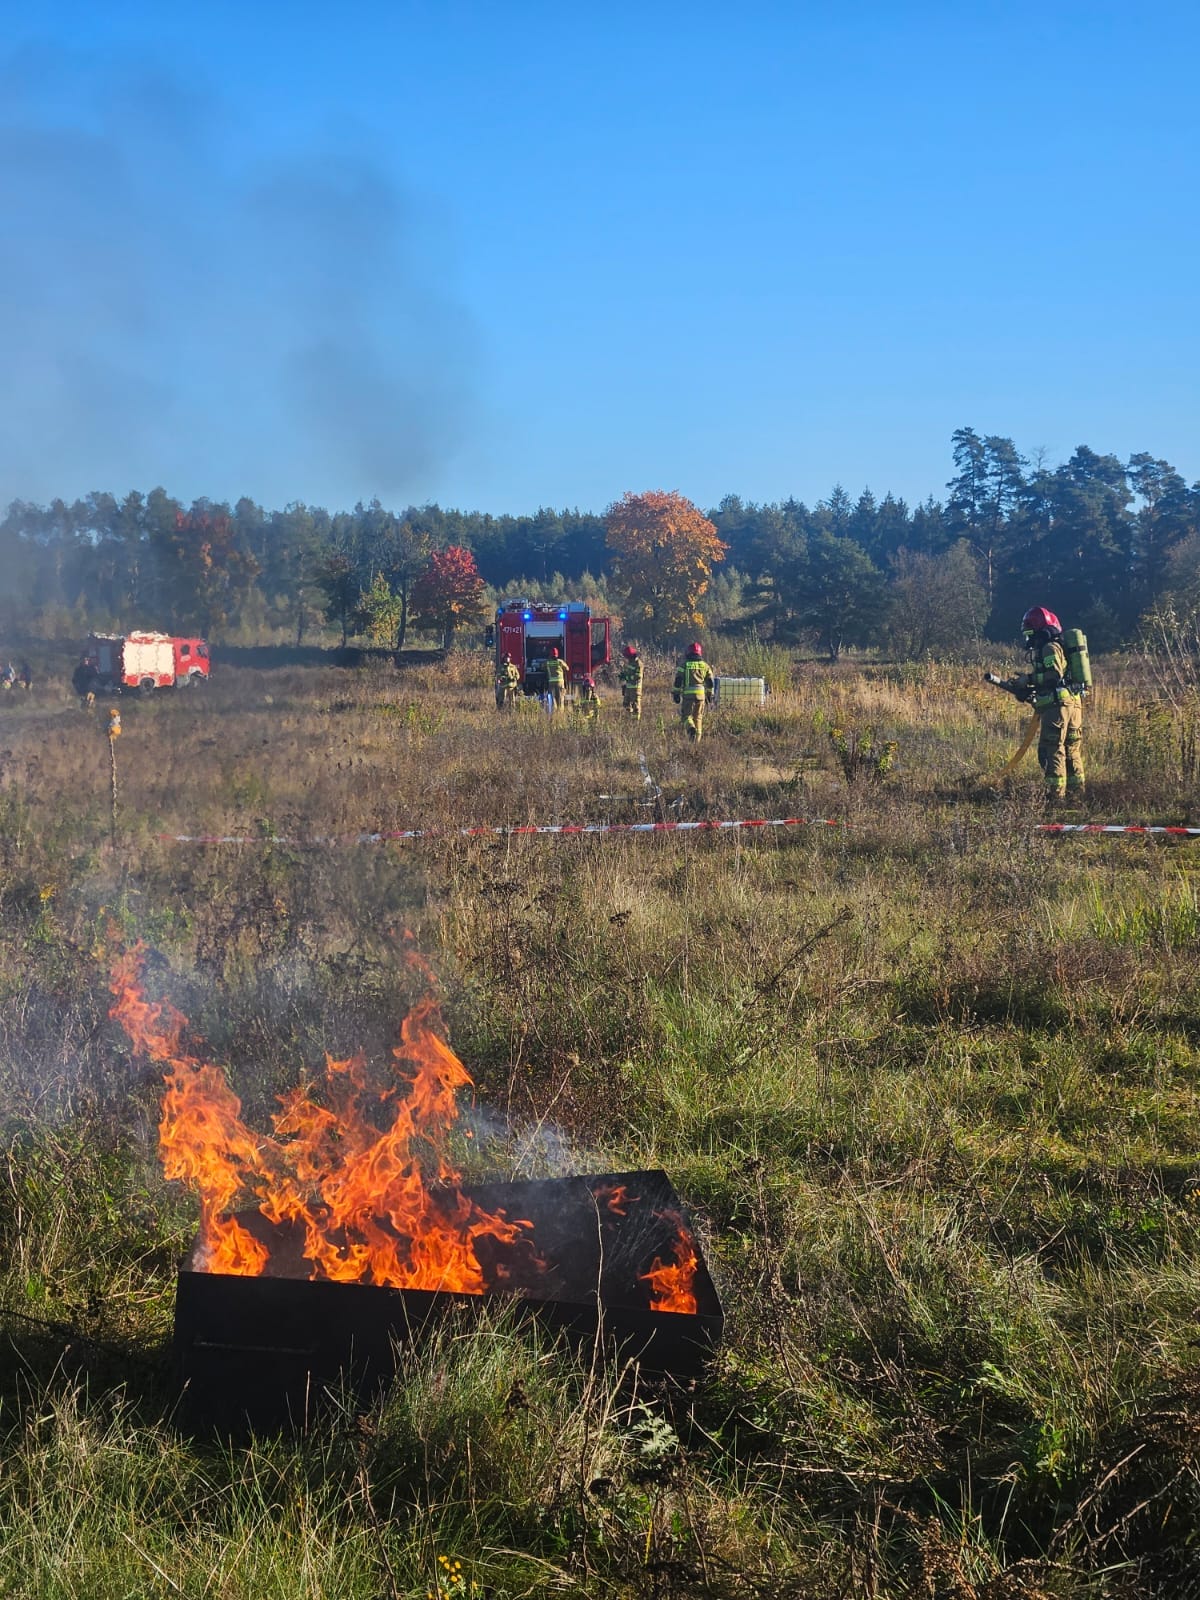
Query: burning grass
point(929, 1081)
point(344, 1169)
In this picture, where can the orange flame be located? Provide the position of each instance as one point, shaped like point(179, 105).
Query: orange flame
point(672, 1284)
point(346, 1172)
point(616, 1197)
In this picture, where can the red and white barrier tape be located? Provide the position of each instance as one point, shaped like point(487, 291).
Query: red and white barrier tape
point(1114, 827)
point(596, 829)
point(574, 829)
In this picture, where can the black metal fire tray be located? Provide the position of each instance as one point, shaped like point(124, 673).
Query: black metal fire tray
point(264, 1349)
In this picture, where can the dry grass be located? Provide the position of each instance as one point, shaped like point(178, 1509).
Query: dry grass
point(927, 1079)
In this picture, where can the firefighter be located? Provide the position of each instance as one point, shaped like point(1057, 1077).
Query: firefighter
point(694, 688)
point(557, 673)
point(631, 682)
point(9, 676)
point(26, 677)
point(1050, 690)
point(587, 703)
point(84, 680)
point(508, 681)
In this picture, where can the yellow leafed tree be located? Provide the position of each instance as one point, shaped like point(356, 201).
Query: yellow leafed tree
point(664, 551)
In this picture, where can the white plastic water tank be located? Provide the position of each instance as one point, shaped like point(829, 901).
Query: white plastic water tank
point(741, 691)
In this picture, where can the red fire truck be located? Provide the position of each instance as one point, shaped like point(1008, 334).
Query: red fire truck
point(528, 632)
point(129, 662)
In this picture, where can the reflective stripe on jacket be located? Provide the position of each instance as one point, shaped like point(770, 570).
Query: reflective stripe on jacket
point(694, 678)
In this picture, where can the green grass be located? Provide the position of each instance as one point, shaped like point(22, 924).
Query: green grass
point(928, 1082)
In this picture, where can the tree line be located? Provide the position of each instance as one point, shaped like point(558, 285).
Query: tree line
point(1103, 541)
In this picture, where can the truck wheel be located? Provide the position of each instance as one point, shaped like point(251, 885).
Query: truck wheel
point(146, 687)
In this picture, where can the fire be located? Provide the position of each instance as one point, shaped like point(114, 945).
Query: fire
point(616, 1197)
point(672, 1284)
point(348, 1170)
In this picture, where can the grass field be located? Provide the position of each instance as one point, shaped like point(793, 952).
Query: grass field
point(927, 1081)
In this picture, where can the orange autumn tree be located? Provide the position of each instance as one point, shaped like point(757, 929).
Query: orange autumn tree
point(664, 550)
point(448, 592)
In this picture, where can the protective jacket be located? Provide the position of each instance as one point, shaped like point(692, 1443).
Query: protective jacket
point(556, 672)
point(631, 673)
point(1049, 675)
point(694, 678)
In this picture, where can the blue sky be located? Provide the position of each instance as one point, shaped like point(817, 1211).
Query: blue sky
point(511, 255)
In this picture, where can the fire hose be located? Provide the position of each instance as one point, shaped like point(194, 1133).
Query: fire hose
point(1031, 733)
point(1020, 690)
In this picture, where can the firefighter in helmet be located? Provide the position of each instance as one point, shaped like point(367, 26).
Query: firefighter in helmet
point(631, 682)
point(587, 702)
point(1058, 701)
point(557, 673)
point(693, 690)
point(508, 681)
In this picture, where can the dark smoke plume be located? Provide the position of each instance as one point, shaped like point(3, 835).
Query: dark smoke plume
point(171, 312)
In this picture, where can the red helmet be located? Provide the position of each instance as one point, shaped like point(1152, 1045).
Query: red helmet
point(589, 682)
point(630, 651)
point(694, 649)
point(554, 653)
point(1037, 620)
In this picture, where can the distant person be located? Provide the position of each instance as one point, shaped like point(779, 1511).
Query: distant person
point(694, 689)
point(508, 681)
point(9, 676)
point(631, 675)
point(26, 677)
point(557, 673)
point(84, 680)
point(1059, 676)
point(588, 702)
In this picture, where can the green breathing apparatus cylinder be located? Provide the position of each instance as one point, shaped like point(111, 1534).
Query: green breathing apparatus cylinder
point(1079, 666)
